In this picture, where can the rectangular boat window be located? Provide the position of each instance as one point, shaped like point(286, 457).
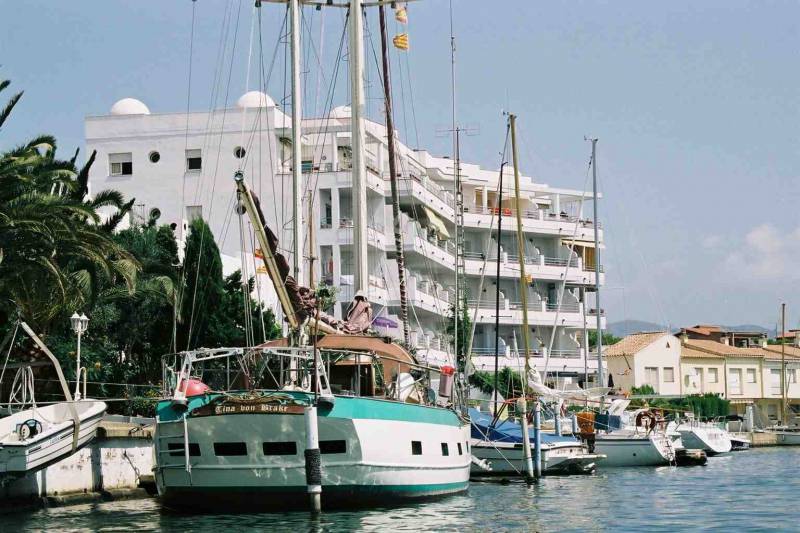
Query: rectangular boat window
point(280, 448)
point(230, 449)
point(416, 447)
point(176, 449)
point(445, 449)
point(460, 451)
point(467, 444)
point(333, 446)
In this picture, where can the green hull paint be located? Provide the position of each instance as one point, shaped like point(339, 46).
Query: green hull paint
point(229, 499)
point(346, 407)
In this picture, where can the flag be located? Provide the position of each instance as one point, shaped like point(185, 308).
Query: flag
point(400, 41)
point(258, 253)
point(261, 270)
point(401, 15)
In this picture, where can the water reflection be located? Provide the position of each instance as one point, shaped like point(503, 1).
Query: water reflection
point(753, 490)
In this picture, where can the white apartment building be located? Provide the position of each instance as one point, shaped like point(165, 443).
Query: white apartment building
point(184, 164)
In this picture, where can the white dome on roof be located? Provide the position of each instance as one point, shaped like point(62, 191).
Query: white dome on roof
point(343, 111)
point(254, 99)
point(129, 106)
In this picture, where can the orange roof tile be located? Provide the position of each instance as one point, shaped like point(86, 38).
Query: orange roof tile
point(634, 343)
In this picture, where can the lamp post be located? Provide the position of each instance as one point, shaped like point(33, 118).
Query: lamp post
point(79, 325)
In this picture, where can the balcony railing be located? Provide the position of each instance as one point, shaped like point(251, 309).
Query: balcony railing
point(513, 260)
point(535, 214)
point(428, 185)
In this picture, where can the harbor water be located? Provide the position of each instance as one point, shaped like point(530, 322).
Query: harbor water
point(754, 490)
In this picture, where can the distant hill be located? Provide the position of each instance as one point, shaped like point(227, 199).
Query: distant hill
point(626, 327)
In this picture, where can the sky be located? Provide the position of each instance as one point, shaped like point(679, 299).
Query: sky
point(695, 105)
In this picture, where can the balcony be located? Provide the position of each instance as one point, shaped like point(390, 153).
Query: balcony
point(533, 221)
point(423, 191)
point(376, 234)
point(540, 313)
point(438, 253)
point(569, 361)
point(540, 267)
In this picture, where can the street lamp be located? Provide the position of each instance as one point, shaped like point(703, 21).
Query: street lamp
point(79, 325)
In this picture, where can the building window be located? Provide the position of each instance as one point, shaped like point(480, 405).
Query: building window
point(154, 157)
point(306, 166)
point(713, 375)
point(177, 449)
point(775, 380)
point(791, 375)
point(279, 448)
point(120, 164)
point(416, 447)
point(239, 152)
point(194, 212)
point(751, 375)
point(735, 380)
point(332, 446)
point(669, 374)
point(224, 449)
point(651, 376)
point(194, 161)
point(445, 449)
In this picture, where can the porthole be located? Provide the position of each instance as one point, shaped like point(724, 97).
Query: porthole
point(239, 152)
point(154, 157)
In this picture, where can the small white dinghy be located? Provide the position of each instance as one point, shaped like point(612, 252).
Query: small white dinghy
point(33, 438)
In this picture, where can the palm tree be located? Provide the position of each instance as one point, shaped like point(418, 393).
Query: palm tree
point(56, 251)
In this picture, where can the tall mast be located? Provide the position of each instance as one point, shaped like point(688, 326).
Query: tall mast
point(458, 207)
point(783, 363)
point(297, 145)
point(497, 294)
point(523, 284)
point(398, 236)
point(600, 376)
point(359, 188)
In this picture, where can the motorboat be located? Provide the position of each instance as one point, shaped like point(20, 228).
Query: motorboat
point(703, 436)
point(35, 438)
point(500, 443)
point(637, 438)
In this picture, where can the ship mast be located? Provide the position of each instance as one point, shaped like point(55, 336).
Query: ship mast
point(359, 188)
point(598, 313)
point(523, 285)
point(398, 236)
point(297, 145)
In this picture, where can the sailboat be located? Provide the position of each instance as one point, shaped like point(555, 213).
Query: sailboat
point(328, 415)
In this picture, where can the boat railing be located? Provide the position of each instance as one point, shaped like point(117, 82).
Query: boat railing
point(292, 369)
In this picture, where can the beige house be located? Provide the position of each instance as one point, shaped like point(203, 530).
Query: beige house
point(648, 358)
point(770, 404)
point(702, 370)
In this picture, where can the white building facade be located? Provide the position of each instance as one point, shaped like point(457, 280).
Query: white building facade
point(184, 166)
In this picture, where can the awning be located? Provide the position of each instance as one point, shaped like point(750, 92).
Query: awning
point(585, 244)
point(436, 223)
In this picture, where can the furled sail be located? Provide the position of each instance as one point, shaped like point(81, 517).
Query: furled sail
point(304, 300)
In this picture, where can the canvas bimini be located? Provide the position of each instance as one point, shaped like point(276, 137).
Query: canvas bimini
point(33, 438)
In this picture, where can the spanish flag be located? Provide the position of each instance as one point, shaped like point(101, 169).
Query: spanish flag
point(400, 41)
point(401, 15)
point(261, 270)
point(258, 253)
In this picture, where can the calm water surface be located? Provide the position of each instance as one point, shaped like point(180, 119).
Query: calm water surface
point(754, 490)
